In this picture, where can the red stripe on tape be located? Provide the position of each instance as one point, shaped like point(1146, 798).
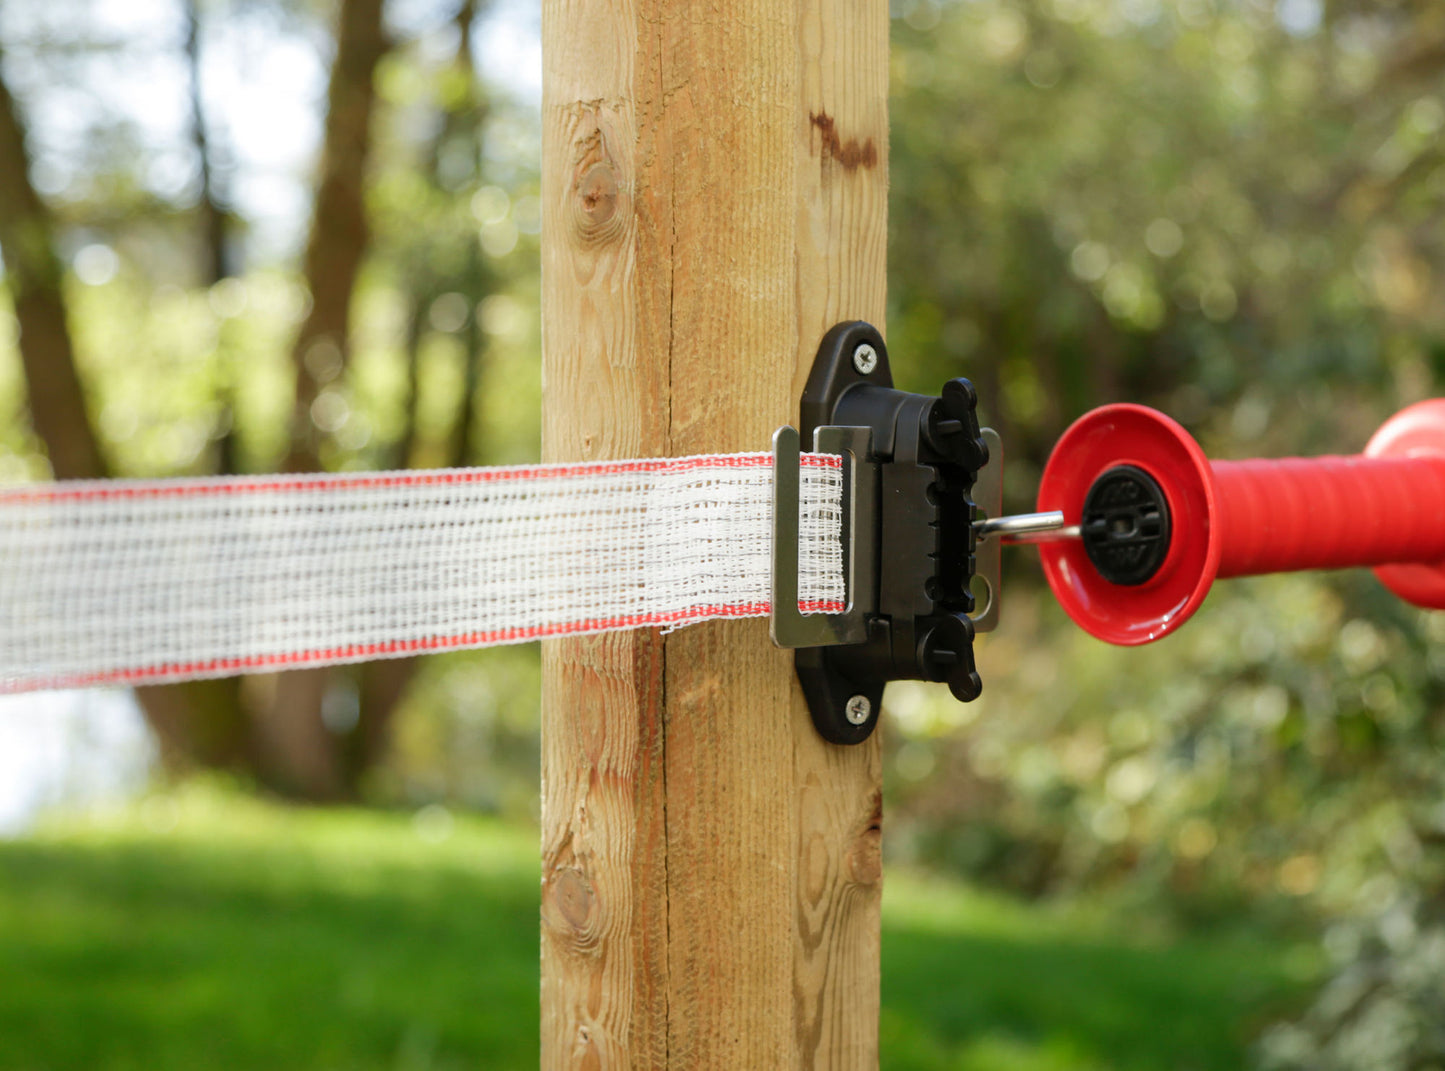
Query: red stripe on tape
point(219, 667)
point(112, 490)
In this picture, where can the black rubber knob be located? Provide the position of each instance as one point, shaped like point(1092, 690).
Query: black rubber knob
point(945, 653)
point(1125, 526)
point(951, 426)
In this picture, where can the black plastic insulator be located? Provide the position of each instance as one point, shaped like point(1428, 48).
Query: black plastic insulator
point(927, 451)
point(945, 653)
point(951, 427)
point(1125, 526)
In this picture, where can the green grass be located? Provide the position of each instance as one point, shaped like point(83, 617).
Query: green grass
point(207, 931)
point(975, 983)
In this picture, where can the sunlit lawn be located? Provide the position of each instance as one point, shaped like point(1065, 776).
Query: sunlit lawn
point(205, 931)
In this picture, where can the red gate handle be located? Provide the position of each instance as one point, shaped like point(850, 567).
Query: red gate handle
point(1163, 521)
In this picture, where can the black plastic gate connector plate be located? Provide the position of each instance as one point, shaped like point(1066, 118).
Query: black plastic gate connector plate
point(928, 451)
point(1125, 525)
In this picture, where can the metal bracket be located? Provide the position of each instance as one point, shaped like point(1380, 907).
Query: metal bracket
point(790, 627)
point(988, 553)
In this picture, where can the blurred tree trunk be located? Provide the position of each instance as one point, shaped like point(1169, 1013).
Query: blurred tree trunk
point(403, 451)
point(217, 261)
point(464, 120)
point(216, 255)
point(383, 684)
point(200, 722)
point(33, 274)
point(296, 751)
point(464, 433)
point(339, 229)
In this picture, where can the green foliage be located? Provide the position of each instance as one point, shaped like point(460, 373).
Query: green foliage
point(467, 734)
point(202, 929)
point(1383, 1009)
point(1182, 204)
point(1229, 210)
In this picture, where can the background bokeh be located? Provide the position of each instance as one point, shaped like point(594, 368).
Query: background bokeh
point(1222, 849)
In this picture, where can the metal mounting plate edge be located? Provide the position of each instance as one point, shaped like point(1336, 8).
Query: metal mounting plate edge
point(790, 627)
point(988, 553)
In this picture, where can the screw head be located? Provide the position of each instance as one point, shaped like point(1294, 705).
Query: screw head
point(858, 710)
point(865, 358)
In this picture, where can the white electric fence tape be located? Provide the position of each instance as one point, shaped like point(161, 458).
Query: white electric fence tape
point(131, 582)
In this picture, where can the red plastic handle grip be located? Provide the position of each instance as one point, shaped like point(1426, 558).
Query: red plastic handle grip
point(1328, 513)
point(1384, 509)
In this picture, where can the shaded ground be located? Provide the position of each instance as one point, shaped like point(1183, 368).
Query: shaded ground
point(207, 931)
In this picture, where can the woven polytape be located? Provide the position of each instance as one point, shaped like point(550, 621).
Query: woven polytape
point(143, 581)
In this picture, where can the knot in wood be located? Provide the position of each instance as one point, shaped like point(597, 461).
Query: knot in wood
point(597, 197)
point(597, 194)
point(573, 895)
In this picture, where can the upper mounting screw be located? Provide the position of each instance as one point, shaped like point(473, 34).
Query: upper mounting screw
point(865, 359)
point(858, 709)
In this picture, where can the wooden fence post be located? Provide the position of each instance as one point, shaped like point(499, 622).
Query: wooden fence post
point(715, 196)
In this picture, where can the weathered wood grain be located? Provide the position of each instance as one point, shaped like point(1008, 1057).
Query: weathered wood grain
point(715, 185)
